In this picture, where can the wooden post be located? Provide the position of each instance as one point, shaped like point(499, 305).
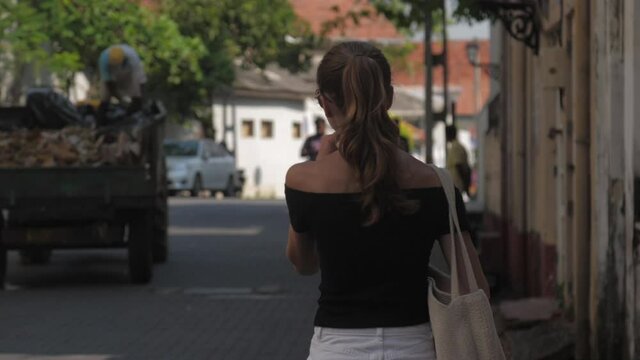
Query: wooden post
point(428, 89)
point(608, 251)
point(631, 114)
point(581, 81)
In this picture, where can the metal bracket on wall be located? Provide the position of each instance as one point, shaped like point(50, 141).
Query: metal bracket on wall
point(521, 19)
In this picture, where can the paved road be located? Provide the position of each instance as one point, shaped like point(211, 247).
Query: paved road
point(227, 292)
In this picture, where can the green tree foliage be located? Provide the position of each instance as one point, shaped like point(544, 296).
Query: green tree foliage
point(188, 47)
point(256, 32)
point(409, 15)
point(252, 32)
point(24, 40)
point(67, 36)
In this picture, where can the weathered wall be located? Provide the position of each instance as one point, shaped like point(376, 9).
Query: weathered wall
point(571, 152)
point(608, 215)
point(580, 177)
point(632, 166)
point(534, 185)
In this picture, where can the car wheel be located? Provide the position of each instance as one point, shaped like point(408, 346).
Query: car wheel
point(197, 186)
point(230, 189)
point(3, 257)
point(160, 245)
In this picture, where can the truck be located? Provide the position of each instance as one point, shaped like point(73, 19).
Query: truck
point(80, 207)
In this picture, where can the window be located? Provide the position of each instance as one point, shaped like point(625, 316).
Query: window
point(219, 150)
point(247, 128)
point(207, 149)
point(211, 149)
point(266, 129)
point(296, 130)
point(181, 148)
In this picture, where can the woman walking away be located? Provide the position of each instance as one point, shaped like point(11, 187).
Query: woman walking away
point(367, 214)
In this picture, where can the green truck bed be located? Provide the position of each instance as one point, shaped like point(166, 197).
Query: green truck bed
point(86, 207)
point(110, 184)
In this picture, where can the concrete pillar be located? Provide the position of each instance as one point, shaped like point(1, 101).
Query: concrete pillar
point(631, 150)
point(513, 189)
point(608, 189)
point(581, 91)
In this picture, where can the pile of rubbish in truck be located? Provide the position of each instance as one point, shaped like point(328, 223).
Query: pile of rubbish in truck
point(52, 132)
point(70, 146)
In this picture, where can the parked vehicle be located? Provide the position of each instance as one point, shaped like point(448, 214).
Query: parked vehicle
point(66, 207)
point(197, 165)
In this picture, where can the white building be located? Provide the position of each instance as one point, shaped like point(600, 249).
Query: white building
point(267, 116)
point(264, 120)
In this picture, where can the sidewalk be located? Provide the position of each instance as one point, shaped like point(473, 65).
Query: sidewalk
point(533, 329)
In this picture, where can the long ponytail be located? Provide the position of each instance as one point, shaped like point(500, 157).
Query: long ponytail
point(358, 77)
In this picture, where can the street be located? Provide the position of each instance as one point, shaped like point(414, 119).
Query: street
point(227, 292)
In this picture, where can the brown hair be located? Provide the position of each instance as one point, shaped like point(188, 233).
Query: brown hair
point(357, 78)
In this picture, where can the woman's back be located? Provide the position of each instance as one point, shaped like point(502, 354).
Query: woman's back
point(373, 275)
point(366, 215)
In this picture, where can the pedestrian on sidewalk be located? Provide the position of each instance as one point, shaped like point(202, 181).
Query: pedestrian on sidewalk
point(366, 215)
point(457, 160)
point(312, 143)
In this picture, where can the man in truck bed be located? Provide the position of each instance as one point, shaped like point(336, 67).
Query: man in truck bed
point(122, 75)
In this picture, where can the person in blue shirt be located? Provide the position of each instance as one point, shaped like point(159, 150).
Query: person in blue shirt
point(122, 76)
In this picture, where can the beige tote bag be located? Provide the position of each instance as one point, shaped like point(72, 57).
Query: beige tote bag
point(463, 326)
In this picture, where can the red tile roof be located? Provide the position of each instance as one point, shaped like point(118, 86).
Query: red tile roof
point(318, 12)
point(461, 74)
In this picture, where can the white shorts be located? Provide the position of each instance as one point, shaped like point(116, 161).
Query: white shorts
point(396, 343)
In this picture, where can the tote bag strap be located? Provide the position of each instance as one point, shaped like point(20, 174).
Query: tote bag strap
point(457, 240)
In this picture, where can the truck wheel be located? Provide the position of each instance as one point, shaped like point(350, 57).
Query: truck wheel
point(3, 257)
point(160, 238)
point(197, 186)
point(160, 246)
point(35, 256)
point(3, 264)
point(140, 251)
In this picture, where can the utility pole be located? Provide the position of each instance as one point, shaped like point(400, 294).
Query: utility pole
point(443, 62)
point(430, 61)
point(428, 88)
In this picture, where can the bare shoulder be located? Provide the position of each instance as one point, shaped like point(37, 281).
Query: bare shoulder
point(330, 174)
point(416, 174)
point(298, 175)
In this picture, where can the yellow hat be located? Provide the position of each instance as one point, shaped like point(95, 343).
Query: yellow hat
point(116, 55)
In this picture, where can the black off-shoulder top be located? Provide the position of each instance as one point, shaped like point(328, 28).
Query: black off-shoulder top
point(376, 275)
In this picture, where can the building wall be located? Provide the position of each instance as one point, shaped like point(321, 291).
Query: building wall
point(569, 149)
point(265, 160)
point(492, 133)
point(632, 114)
point(528, 160)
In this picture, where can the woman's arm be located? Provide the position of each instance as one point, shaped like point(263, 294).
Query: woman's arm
point(445, 245)
point(301, 251)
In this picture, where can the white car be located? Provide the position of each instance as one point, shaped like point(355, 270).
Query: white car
point(197, 165)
